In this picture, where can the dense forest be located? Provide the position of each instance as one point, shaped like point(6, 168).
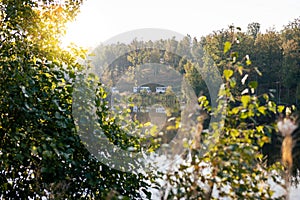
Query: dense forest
point(57, 124)
point(274, 53)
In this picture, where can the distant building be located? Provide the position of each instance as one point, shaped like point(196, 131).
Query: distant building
point(160, 90)
point(141, 89)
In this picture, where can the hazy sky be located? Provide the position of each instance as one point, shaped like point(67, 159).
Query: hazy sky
point(100, 20)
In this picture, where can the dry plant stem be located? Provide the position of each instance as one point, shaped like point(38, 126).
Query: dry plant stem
point(287, 126)
point(287, 159)
point(287, 183)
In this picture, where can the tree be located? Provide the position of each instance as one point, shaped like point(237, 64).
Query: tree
point(253, 29)
point(232, 164)
point(41, 153)
point(250, 123)
point(291, 62)
point(268, 56)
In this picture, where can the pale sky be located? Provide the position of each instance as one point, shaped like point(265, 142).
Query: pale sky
point(101, 20)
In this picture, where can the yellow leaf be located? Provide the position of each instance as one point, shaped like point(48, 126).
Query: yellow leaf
point(147, 124)
point(235, 110)
point(260, 128)
point(245, 100)
point(240, 70)
point(280, 109)
point(228, 73)
point(227, 46)
point(248, 62)
point(48, 75)
point(262, 110)
point(265, 139)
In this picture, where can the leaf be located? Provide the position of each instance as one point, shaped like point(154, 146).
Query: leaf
point(235, 110)
point(234, 133)
point(232, 83)
point(244, 115)
point(248, 62)
point(227, 47)
point(245, 100)
point(280, 109)
point(48, 75)
point(262, 110)
point(260, 129)
point(263, 140)
point(240, 70)
point(147, 124)
point(234, 55)
point(228, 73)
point(253, 84)
point(266, 97)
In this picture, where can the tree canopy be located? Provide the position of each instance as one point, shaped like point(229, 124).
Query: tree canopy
point(41, 155)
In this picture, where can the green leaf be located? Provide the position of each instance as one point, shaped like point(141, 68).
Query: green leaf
point(234, 55)
point(232, 83)
point(228, 73)
point(253, 84)
point(227, 47)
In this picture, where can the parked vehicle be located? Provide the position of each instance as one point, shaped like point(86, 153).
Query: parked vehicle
point(161, 90)
point(141, 89)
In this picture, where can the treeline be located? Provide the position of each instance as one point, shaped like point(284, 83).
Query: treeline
point(274, 54)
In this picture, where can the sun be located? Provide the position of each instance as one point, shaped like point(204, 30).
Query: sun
point(83, 31)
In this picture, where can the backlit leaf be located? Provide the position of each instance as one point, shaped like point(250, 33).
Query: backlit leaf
point(228, 73)
point(227, 47)
point(245, 100)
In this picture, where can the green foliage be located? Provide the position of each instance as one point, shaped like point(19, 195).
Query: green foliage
point(253, 29)
point(40, 152)
point(246, 59)
point(232, 165)
point(275, 53)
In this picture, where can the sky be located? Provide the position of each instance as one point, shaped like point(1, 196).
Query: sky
point(100, 20)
